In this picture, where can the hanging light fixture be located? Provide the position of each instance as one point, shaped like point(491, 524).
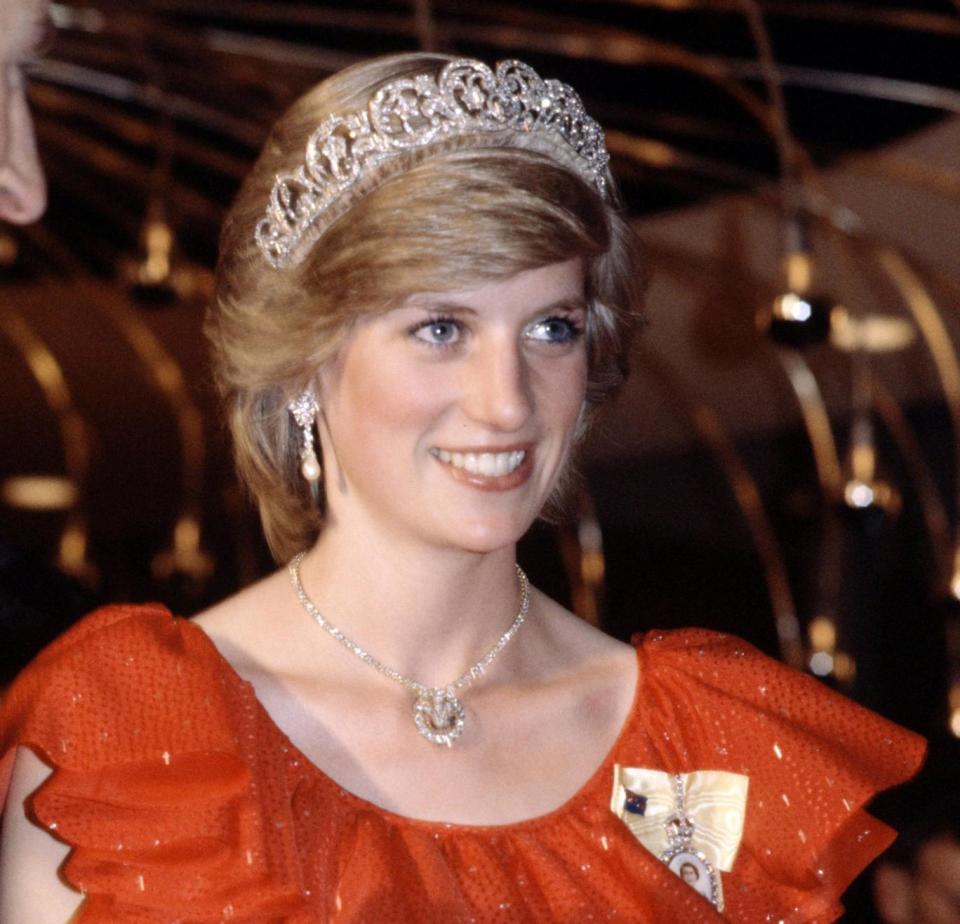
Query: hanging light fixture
point(9, 250)
point(185, 558)
point(39, 492)
point(826, 659)
point(797, 316)
point(873, 333)
point(150, 274)
point(866, 497)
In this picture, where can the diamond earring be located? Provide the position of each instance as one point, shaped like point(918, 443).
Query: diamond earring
point(304, 410)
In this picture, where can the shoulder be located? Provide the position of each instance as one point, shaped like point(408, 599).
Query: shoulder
point(91, 646)
point(108, 687)
point(119, 617)
point(111, 632)
point(706, 670)
point(721, 703)
point(137, 637)
point(808, 759)
point(691, 639)
point(251, 644)
point(707, 660)
point(153, 745)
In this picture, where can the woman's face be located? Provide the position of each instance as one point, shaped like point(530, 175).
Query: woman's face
point(448, 419)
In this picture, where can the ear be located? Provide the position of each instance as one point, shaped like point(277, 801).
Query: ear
point(893, 893)
point(23, 189)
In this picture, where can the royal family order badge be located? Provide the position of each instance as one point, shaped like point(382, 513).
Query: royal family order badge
point(693, 822)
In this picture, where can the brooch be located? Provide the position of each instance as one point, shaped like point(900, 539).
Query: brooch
point(692, 822)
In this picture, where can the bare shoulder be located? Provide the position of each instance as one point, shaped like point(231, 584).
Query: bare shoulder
point(248, 627)
point(30, 857)
point(234, 613)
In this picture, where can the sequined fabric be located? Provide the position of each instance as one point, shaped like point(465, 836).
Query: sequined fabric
point(183, 802)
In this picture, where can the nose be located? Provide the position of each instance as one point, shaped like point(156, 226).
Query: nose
point(23, 189)
point(497, 390)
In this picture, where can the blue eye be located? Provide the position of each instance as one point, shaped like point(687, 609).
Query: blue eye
point(438, 331)
point(555, 330)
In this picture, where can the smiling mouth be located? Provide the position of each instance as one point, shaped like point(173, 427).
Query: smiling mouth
point(484, 464)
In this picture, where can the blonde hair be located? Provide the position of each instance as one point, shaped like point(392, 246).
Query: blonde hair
point(461, 213)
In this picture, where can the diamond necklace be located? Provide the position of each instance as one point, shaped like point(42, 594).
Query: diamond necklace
point(438, 713)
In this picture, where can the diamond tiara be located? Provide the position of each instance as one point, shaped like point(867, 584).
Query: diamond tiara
point(468, 99)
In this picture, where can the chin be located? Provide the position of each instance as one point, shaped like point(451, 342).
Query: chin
point(486, 535)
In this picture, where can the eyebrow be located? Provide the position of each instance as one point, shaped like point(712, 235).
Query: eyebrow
point(573, 303)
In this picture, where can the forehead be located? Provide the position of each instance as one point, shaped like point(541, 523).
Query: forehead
point(20, 22)
point(531, 288)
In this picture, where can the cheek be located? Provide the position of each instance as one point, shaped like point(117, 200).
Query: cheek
point(563, 393)
point(382, 400)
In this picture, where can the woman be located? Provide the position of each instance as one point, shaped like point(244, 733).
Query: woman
point(425, 287)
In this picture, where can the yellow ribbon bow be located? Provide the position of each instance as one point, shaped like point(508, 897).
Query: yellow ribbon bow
point(684, 815)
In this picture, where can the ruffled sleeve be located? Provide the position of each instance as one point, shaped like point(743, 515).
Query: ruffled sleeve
point(152, 787)
point(813, 759)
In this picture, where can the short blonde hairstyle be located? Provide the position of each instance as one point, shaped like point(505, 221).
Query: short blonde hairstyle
point(459, 214)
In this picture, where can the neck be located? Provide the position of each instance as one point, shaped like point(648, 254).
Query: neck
point(428, 613)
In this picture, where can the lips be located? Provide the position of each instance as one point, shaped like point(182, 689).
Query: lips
point(489, 470)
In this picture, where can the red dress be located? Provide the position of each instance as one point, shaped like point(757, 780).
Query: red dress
point(183, 802)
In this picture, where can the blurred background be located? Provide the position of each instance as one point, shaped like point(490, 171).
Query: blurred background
point(783, 463)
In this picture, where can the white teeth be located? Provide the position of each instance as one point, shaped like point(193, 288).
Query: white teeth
point(488, 464)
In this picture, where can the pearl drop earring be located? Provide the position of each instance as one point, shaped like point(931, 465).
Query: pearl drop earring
point(304, 410)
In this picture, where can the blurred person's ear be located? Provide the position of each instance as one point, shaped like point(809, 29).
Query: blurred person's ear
point(23, 188)
point(893, 893)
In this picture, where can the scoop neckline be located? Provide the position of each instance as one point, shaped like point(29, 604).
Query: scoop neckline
point(360, 803)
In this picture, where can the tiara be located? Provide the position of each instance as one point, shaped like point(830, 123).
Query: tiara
point(467, 99)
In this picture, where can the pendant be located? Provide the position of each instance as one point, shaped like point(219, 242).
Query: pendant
point(439, 715)
point(683, 858)
point(693, 867)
